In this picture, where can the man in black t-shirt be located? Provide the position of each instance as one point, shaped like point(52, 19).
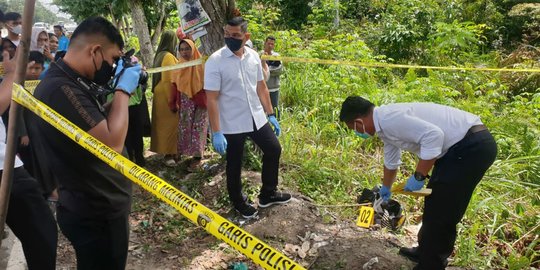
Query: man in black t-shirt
point(94, 199)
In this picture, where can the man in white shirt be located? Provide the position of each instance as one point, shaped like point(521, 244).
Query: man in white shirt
point(454, 143)
point(239, 107)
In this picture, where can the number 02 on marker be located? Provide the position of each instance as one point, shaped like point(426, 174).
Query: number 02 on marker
point(365, 219)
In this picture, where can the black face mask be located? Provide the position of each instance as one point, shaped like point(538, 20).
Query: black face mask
point(233, 44)
point(103, 75)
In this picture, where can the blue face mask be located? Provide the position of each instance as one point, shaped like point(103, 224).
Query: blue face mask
point(362, 135)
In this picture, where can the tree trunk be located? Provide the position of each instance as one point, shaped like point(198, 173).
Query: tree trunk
point(336, 18)
point(219, 12)
point(141, 30)
point(160, 25)
point(128, 29)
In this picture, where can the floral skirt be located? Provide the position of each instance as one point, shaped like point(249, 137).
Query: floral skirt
point(192, 128)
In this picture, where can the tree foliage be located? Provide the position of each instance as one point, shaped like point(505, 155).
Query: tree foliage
point(41, 14)
point(293, 13)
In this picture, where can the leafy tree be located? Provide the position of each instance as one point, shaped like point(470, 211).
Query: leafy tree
point(41, 14)
point(82, 9)
point(116, 9)
point(293, 13)
point(404, 26)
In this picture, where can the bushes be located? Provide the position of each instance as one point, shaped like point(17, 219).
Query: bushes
point(325, 161)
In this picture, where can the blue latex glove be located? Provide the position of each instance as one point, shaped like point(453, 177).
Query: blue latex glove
point(385, 193)
point(219, 142)
point(413, 184)
point(129, 80)
point(272, 119)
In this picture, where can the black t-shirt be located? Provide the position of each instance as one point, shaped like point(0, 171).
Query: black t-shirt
point(87, 185)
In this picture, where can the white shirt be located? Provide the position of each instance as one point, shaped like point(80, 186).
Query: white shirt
point(236, 80)
point(426, 129)
point(18, 162)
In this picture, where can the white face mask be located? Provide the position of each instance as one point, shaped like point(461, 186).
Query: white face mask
point(17, 30)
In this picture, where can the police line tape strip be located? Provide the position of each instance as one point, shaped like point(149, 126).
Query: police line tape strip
point(31, 85)
point(388, 65)
point(196, 62)
point(223, 229)
point(201, 61)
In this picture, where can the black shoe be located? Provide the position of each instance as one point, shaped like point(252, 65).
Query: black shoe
point(276, 198)
point(246, 210)
point(412, 253)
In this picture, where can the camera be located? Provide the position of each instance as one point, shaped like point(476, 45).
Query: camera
point(127, 59)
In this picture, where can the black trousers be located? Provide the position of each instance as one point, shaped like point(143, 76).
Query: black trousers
point(453, 181)
point(31, 220)
point(98, 243)
point(134, 139)
point(267, 141)
point(274, 98)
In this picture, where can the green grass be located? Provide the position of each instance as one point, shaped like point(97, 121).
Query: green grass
point(327, 163)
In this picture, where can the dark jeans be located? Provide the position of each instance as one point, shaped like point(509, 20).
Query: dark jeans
point(31, 220)
point(267, 141)
point(274, 98)
point(454, 179)
point(98, 243)
point(134, 139)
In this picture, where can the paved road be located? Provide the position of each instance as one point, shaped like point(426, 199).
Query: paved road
point(11, 253)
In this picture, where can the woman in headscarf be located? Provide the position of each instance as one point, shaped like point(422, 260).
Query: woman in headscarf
point(40, 42)
point(164, 132)
point(191, 103)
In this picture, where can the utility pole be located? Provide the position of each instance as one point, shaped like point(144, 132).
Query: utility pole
point(15, 113)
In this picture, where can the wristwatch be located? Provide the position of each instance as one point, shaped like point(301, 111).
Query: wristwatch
point(271, 114)
point(420, 177)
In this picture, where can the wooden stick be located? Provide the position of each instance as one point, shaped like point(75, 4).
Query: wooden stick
point(14, 113)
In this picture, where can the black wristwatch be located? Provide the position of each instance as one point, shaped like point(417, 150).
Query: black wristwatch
point(420, 177)
point(271, 114)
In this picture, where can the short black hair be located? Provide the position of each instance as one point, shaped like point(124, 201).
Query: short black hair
point(37, 57)
point(51, 35)
point(239, 21)
point(270, 38)
point(1, 16)
point(98, 26)
point(59, 27)
point(12, 16)
point(354, 107)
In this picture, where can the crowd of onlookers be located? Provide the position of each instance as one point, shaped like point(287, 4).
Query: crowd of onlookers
point(45, 48)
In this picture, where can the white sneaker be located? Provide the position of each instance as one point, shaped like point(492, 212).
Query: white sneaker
point(170, 162)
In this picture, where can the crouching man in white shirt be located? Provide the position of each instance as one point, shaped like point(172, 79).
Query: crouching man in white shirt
point(454, 143)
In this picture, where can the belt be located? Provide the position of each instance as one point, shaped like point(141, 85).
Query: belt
point(475, 129)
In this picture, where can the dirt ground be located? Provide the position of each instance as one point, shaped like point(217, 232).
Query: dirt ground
point(298, 229)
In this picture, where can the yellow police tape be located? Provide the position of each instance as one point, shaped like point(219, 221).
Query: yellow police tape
point(201, 61)
point(261, 253)
point(387, 65)
point(31, 85)
point(196, 62)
